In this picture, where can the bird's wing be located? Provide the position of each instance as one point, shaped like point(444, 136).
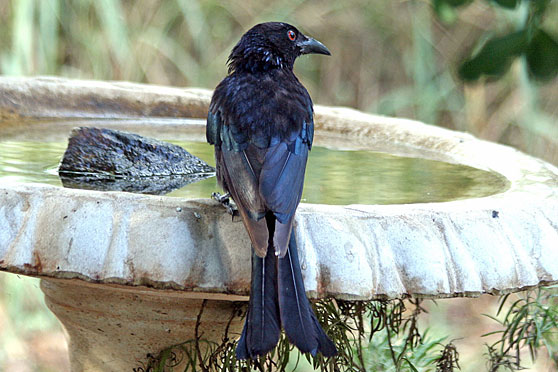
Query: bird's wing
point(281, 182)
point(282, 174)
point(213, 127)
point(261, 160)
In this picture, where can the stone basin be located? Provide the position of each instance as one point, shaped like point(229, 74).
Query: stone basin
point(126, 273)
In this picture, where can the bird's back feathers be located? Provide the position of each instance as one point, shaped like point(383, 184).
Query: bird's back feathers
point(262, 136)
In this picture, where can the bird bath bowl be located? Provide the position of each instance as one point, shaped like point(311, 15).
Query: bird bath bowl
point(127, 274)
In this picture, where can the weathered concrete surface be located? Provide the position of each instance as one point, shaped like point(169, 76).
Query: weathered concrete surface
point(113, 328)
point(501, 243)
point(57, 98)
point(351, 252)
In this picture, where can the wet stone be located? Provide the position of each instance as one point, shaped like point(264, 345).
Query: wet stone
point(112, 160)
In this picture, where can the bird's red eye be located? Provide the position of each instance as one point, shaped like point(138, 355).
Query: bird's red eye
point(291, 34)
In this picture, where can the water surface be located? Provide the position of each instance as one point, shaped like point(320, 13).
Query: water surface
point(332, 176)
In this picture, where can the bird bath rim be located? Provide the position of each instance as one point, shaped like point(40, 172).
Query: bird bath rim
point(494, 244)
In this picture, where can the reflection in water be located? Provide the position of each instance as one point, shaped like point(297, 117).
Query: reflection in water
point(332, 176)
point(153, 185)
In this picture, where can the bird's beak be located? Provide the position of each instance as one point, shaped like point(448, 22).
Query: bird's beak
point(313, 46)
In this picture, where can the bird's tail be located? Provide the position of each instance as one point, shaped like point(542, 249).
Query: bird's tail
point(277, 297)
point(297, 317)
point(262, 326)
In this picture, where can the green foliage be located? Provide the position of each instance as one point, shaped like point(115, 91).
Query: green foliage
point(433, 91)
point(384, 336)
point(117, 40)
point(370, 336)
point(531, 322)
point(446, 9)
point(495, 57)
point(542, 56)
point(510, 4)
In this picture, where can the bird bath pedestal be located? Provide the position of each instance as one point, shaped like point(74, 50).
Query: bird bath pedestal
point(127, 274)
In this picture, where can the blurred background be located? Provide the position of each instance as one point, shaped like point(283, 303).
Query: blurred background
point(390, 57)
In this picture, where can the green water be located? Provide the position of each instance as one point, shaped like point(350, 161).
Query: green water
point(332, 176)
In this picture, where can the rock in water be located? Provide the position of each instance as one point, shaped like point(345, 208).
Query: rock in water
point(106, 159)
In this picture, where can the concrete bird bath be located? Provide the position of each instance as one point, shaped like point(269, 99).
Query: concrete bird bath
point(126, 274)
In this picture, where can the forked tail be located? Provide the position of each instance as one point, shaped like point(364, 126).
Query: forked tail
point(262, 326)
point(297, 317)
point(277, 297)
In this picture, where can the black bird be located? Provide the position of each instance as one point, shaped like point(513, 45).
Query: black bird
point(261, 123)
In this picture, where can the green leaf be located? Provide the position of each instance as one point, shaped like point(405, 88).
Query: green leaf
point(445, 9)
point(445, 12)
point(456, 3)
point(495, 56)
point(411, 365)
point(542, 56)
point(510, 4)
point(502, 302)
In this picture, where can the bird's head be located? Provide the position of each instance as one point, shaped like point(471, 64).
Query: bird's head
point(272, 45)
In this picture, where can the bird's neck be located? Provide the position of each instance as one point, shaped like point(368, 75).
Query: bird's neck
point(258, 60)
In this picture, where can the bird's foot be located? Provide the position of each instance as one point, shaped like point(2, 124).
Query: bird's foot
point(225, 201)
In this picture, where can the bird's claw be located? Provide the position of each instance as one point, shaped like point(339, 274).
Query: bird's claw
point(225, 201)
point(221, 198)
